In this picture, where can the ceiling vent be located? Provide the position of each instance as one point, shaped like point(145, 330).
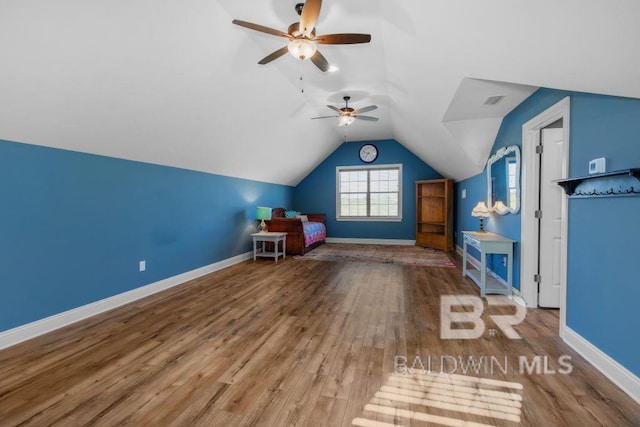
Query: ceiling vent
point(493, 100)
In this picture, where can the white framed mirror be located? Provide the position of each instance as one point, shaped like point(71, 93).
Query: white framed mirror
point(503, 181)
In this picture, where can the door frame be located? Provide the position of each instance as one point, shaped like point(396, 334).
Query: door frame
point(530, 188)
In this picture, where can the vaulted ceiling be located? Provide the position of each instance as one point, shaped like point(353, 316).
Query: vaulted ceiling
point(176, 83)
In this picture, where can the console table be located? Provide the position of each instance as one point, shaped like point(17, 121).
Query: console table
point(274, 237)
point(488, 243)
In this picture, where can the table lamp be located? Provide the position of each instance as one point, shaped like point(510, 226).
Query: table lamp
point(500, 207)
point(481, 211)
point(263, 213)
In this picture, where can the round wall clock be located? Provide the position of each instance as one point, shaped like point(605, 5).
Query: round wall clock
point(368, 153)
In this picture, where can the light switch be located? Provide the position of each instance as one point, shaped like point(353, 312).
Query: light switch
point(598, 165)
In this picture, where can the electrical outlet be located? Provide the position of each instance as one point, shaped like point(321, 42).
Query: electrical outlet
point(464, 193)
point(143, 265)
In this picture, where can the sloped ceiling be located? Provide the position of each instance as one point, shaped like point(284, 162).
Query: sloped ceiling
point(175, 83)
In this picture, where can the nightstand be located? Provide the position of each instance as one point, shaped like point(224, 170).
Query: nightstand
point(274, 237)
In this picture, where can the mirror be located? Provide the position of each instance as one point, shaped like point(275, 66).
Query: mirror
point(503, 180)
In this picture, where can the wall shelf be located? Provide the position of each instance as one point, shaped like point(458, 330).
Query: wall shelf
point(618, 183)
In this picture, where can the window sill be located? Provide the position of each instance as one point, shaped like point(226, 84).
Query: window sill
point(370, 219)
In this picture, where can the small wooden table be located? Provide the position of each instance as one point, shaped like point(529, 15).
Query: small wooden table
point(488, 243)
point(274, 237)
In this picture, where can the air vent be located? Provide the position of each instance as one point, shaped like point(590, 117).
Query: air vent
point(493, 100)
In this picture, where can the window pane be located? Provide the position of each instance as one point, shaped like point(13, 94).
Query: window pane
point(393, 204)
point(384, 204)
point(353, 204)
point(345, 178)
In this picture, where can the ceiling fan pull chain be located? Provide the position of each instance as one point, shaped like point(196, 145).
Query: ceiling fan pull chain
point(301, 81)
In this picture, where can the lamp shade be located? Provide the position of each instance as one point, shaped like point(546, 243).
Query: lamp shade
point(481, 210)
point(500, 207)
point(302, 48)
point(263, 213)
point(345, 120)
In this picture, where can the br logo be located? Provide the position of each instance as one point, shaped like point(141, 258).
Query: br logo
point(503, 322)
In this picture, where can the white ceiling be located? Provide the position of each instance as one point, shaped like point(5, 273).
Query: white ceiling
point(175, 83)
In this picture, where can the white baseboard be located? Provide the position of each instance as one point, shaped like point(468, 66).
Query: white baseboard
point(476, 263)
point(39, 327)
point(617, 373)
point(370, 241)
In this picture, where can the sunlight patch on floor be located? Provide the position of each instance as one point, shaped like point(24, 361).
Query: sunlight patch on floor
point(475, 401)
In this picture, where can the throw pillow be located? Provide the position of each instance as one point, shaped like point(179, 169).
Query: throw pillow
point(303, 218)
point(291, 214)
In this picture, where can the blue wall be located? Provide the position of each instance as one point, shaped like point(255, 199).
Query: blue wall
point(317, 192)
point(602, 278)
point(74, 226)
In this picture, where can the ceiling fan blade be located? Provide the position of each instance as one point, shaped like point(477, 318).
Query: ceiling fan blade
point(368, 118)
point(320, 61)
point(275, 55)
point(343, 38)
point(324, 117)
point(309, 16)
point(335, 108)
point(260, 28)
point(365, 109)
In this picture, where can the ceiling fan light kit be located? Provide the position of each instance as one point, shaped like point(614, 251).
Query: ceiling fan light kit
point(302, 48)
point(345, 120)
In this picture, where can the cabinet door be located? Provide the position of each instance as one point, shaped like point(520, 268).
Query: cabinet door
point(437, 241)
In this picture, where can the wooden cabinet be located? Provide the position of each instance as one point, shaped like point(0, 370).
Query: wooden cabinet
point(434, 214)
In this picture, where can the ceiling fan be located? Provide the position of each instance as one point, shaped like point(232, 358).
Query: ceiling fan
point(348, 115)
point(302, 36)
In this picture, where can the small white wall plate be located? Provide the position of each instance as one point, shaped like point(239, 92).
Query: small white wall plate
point(598, 165)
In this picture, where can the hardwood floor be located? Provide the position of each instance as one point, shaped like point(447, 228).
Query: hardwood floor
point(302, 343)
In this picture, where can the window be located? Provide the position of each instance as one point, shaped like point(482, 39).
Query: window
point(512, 181)
point(369, 193)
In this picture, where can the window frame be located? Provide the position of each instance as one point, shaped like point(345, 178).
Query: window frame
point(396, 166)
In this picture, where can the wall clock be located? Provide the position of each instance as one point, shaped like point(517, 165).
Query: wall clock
point(368, 153)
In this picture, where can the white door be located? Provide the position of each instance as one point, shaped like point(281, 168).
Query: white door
point(551, 222)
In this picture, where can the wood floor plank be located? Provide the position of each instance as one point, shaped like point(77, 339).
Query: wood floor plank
point(367, 381)
point(328, 412)
point(301, 343)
